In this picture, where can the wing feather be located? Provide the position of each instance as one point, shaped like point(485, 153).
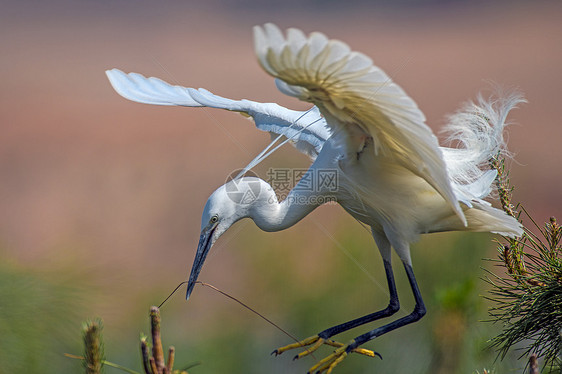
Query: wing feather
point(136, 87)
point(269, 117)
point(352, 93)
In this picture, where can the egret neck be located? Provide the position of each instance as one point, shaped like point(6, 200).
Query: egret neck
point(250, 197)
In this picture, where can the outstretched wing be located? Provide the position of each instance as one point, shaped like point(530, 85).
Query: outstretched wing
point(306, 130)
point(356, 98)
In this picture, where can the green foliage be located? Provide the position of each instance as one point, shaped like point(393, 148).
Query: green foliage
point(37, 311)
point(458, 296)
point(528, 296)
point(528, 299)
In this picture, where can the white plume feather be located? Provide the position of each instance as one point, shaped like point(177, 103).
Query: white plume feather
point(477, 132)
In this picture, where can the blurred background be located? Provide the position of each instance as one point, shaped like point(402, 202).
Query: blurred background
point(101, 198)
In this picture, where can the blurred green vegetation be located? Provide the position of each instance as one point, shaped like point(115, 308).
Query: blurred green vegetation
point(40, 314)
point(303, 287)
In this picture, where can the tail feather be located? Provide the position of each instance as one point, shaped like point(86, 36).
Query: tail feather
point(477, 132)
point(483, 217)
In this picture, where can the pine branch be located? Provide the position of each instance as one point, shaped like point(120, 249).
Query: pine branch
point(155, 364)
point(528, 298)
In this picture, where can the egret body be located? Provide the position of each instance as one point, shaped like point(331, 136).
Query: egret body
point(392, 174)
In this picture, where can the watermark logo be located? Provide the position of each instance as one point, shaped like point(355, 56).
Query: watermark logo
point(242, 191)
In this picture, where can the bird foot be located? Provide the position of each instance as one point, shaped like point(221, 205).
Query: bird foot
point(327, 364)
point(313, 341)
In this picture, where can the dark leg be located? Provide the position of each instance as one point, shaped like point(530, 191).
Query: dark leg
point(324, 337)
point(417, 314)
point(393, 307)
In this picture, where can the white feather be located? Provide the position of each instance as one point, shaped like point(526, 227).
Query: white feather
point(306, 129)
point(477, 132)
point(357, 98)
point(136, 87)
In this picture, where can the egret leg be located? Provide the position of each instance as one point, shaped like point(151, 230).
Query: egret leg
point(327, 364)
point(393, 307)
point(418, 312)
point(316, 341)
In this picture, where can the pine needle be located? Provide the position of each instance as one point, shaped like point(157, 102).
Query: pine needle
point(528, 296)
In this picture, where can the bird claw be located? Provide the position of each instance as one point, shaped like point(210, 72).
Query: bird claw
point(315, 342)
point(327, 364)
point(361, 351)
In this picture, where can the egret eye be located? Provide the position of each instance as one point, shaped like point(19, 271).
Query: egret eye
point(214, 219)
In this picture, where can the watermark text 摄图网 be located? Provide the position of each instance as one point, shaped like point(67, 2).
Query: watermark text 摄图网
point(311, 186)
point(322, 184)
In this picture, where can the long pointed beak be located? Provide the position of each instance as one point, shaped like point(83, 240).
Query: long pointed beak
point(205, 243)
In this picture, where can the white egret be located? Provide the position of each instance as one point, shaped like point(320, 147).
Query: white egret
point(391, 173)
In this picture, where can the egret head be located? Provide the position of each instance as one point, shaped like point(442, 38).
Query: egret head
point(227, 205)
